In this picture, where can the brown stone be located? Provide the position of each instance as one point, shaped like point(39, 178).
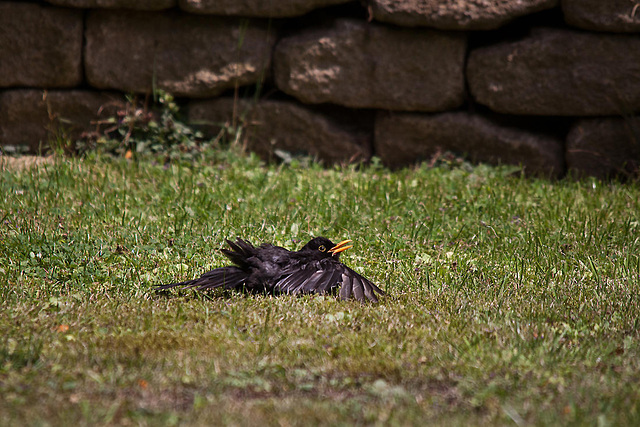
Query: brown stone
point(39, 46)
point(456, 15)
point(558, 72)
point(270, 125)
point(32, 118)
point(258, 8)
point(604, 147)
point(603, 15)
point(402, 139)
point(117, 4)
point(362, 65)
point(186, 55)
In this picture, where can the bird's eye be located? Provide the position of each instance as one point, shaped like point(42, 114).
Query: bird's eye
point(322, 248)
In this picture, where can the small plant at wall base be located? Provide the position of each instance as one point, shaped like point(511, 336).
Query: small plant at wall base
point(152, 128)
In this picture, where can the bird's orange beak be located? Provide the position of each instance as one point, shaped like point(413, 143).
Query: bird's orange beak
point(340, 247)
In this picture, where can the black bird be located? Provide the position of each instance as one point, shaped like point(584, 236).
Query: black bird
point(313, 269)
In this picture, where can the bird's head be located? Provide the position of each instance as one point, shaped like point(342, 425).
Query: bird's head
point(325, 247)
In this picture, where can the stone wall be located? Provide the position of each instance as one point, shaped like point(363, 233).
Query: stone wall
point(553, 85)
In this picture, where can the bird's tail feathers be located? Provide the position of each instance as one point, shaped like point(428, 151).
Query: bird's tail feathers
point(227, 277)
point(240, 251)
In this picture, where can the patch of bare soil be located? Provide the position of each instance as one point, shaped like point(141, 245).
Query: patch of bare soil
point(24, 162)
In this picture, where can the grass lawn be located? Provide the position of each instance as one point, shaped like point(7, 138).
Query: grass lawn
point(511, 300)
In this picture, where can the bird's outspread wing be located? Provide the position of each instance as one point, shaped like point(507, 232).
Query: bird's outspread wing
point(326, 277)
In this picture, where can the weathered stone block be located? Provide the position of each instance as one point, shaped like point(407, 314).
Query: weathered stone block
point(455, 15)
point(558, 72)
point(117, 4)
point(39, 46)
point(604, 147)
point(31, 118)
point(282, 125)
point(405, 138)
point(600, 15)
point(258, 8)
point(186, 55)
point(362, 65)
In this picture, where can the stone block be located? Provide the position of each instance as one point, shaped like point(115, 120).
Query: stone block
point(39, 46)
point(117, 4)
point(256, 8)
point(186, 55)
point(558, 72)
point(617, 16)
point(604, 147)
point(362, 65)
point(405, 138)
point(270, 125)
point(31, 118)
point(456, 15)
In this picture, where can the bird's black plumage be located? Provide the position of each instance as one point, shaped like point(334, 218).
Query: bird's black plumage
point(315, 268)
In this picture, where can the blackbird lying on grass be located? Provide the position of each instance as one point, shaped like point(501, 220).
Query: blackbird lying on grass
point(313, 269)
